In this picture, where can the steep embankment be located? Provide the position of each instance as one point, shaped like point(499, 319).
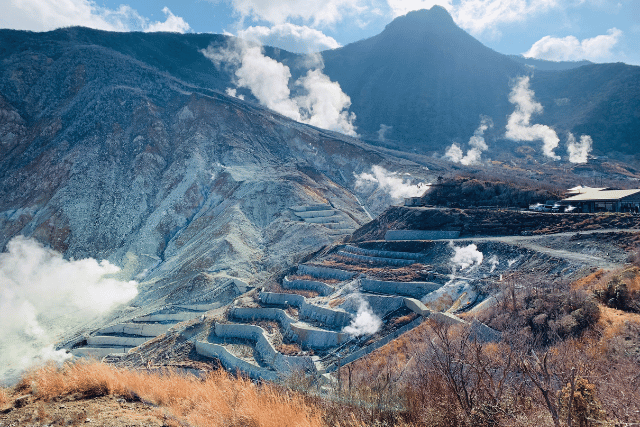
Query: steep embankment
point(105, 155)
point(488, 222)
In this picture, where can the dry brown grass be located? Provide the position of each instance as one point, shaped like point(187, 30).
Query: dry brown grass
point(289, 349)
point(4, 398)
point(218, 400)
point(336, 301)
point(280, 290)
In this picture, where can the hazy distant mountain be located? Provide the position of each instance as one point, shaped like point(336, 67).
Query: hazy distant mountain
point(544, 65)
point(430, 81)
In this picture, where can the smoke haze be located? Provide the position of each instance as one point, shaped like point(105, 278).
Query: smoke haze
point(42, 295)
point(519, 127)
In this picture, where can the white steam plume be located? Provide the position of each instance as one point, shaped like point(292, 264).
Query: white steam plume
point(494, 262)
point(389, 182)
point(579, 151)
point(382, 132)
point(519, 127)
point(365, 323)
point(42, 295)
point(321, 102)
point(476, 142)
point(466, 256)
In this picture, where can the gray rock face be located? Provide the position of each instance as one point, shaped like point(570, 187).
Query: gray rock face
point(105, 156)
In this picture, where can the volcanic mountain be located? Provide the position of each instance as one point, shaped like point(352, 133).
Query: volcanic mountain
point(430, 82)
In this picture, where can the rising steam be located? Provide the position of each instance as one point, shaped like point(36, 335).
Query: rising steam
point(42, 295)
point(389, 182)
point(466, 256)
point(476, 142)
point(519, 127)
point(365, 322)
point(321, 102)
point(579, 151)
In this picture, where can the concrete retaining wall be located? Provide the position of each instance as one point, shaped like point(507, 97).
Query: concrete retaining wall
point(420, 235)
point(318, 338)
point(382, 304)
point(314, 214)
point(411, 289)
point(308, 285)
point(306, 336)
point(341, 225)
point(170, 317)
point(279, 361)
point(116, 341)
point(382, 254)
point(233, 363)
point(141, 329)
point(272, 298)
point(98, 352)
point(325, 272)
point(311, 207)
point(324, 219)
point(331, 317)
point(376, 260)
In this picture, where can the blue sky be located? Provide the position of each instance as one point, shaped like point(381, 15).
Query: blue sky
point(597, 30)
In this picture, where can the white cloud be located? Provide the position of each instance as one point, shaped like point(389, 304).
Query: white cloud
point(579, 151)
point(519, 127)
point(571, 49)
point(478, 16)
point(318, 13)
point(173, 24)
point(320, 101)
point(46, 15)
point(42, 295)
point(294, 38)
point(389, 182)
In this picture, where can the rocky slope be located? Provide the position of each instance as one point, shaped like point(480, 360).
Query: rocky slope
point(109, 157)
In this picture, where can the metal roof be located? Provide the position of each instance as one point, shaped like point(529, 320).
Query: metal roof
point(602, 195)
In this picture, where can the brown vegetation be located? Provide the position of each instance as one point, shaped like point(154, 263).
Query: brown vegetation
point(218, 400)
point(465, 192)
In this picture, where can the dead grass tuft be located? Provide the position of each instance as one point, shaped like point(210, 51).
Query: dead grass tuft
point(4, 398)
point(218, 400)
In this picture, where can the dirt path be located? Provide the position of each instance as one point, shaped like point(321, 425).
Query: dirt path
point(529, 242)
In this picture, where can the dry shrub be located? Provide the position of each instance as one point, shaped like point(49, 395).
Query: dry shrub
point(218, 400)
point(280, 290)
point(336, 302)
point(4, 398)
point(289, 349)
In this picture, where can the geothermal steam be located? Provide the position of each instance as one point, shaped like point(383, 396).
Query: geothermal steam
point(466, 256)
point(390, 183)
point(579, 151)
point(321, 102)
point(42, 295)
point(519, 127)
point(365, 322)
point(476, 142)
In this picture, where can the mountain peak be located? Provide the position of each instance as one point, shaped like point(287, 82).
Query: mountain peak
point(437, 16)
